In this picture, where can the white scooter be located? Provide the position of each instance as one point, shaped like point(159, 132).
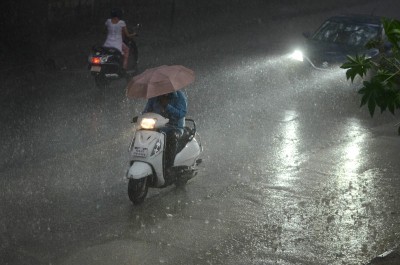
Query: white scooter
point(147, 156)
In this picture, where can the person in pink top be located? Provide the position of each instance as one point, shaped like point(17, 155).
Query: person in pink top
point(116, 30)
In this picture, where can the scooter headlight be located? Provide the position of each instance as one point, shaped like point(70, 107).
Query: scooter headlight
point(297, 55)
point(147, 123)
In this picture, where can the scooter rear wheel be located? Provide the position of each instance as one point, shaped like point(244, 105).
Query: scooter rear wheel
point(182, 179)
point(137, 190)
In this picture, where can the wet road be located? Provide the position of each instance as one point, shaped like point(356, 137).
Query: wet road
point(293, 173)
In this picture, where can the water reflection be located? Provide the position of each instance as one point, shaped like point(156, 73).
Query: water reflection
point(351, 155)
point(288, 151)
point(351, 215)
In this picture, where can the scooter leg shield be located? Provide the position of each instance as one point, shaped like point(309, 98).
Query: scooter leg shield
point(139, 170)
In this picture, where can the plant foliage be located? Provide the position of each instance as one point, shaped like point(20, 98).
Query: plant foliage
point(382, 90)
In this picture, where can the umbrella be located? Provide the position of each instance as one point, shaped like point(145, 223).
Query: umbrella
point(158, 81)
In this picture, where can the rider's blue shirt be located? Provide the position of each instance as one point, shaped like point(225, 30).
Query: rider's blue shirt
point(175, 110)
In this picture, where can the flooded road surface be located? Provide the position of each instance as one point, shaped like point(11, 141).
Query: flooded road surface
point(293, 172)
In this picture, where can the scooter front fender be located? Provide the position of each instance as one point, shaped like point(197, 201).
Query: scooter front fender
point(139, 170)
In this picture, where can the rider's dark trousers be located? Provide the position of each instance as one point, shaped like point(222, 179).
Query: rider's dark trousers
point(172, 136)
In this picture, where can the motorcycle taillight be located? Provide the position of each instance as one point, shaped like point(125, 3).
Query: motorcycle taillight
point(96, 60)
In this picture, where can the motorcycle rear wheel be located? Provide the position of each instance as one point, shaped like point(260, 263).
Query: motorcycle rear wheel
point(101, 81)
point(137, 190)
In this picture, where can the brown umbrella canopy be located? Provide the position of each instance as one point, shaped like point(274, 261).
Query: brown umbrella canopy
point(158, 81)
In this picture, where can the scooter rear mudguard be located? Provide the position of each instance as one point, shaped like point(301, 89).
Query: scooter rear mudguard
point(139, 170)
point(189, 154)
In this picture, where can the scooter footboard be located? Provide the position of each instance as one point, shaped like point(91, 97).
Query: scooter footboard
point(139, 170)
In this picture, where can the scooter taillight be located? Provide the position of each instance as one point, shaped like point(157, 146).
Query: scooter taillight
point(96, 60)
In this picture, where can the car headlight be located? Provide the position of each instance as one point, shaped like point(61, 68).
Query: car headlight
point(297, 55)
point(147, 123)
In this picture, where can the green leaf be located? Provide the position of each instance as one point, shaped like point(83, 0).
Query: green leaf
point(391, 108)
point(364, 100)
point(371, 106)
point(392, 99)
point(392, 31)
point(383, 89)
point(358, 65)
point(397, 99)
point(373, 95)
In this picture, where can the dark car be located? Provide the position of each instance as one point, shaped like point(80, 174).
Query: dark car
point(338, 37)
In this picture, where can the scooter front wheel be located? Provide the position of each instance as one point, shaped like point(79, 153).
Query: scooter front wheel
point(137, 190)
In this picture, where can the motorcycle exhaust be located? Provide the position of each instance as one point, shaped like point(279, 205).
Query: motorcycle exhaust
point(112, 75)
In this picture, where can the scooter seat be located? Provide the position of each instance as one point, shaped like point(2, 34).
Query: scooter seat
point(112, 50)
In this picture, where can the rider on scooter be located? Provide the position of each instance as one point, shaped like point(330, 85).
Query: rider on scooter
point(172, 106)
point(116, 30)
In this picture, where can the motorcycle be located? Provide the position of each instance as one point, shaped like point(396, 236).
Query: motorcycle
point(147, 156)
point(105, 63)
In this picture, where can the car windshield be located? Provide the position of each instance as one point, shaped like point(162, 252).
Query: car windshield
point(346, 33)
